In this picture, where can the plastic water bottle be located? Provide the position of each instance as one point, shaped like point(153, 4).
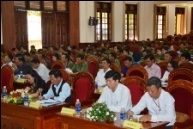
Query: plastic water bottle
point(4, 93)
point(26, 99)
point(78, 107)
point(21, 74)
point(123, 115)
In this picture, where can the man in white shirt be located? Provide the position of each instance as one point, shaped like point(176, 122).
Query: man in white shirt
point(8, 61)
point(115, 94)
point(59, 89)
point(41, 69)
point(152, 68)
point(100, 80)
point(160, 104)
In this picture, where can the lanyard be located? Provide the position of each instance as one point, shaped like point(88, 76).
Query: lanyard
point(157, 104)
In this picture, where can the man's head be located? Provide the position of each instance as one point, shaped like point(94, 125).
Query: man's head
point(185, 57)
point(55, 76)
point(112, 79)
point(128, 61)
point(65, 58)
point(19, 60)
point(8, 58)
point(149, 59)
point(112, 56)
point(106, 63)
point(80, 59)
point(167, 57)
point(35, 63)
point(154, 87)
point(27, 56)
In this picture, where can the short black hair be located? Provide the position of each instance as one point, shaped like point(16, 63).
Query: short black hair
point(114, 74)
point(174, 64)
point(186, 55)
point(150, 56)
point(56, 72)
point(67, 56)
point(10, 56)
point(107, 60)
point(35, 61)
point(57, 56)
point(81, 56)
point(20, 57)
point(128, 58)
point(154, 81)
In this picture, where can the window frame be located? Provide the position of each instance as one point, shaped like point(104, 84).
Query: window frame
point(103, 7)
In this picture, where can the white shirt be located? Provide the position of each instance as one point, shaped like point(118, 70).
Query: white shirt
point(65, 92)
point(120, 98)
point(154, 70)
point(100, 78)
point(43, 71)
point(166, 112)
point(165, 76)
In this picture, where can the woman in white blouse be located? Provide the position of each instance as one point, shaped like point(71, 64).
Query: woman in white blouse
point(172, 65)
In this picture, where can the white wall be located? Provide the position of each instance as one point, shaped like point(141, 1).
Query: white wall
point(146, 19)
point(118, 18)
point(86, 9)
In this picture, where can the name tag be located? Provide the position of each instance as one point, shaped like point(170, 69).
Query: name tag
point(35, 105)
point(68, 111)
point(132, 124)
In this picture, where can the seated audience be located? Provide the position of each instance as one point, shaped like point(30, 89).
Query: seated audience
point(21, 65)
point(160, 104)
point(152, 68)
point(100, 80)
point(66, 61)
point(115, 94)
point(185, 58)
point(172, 65)
point(8, 61)
point(59, 89)
point(80, 65)
point(37, 85)
point(41, 69)
point(114, 60)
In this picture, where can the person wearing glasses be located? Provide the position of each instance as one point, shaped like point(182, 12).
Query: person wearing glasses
point(160, 104)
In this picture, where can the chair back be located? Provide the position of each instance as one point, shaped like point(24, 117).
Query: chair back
point(182, 91)
point(57, 65)
point(121, 59)
point(66, 76)
point(187, 66)
point(163, 66)
point(180, 73)
point(83, 87)
point(7, 78)
point(136, 86)
point(115, 67)
point(93, 67)
point(137, 70)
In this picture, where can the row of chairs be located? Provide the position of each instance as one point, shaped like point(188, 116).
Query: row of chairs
point(83, 88)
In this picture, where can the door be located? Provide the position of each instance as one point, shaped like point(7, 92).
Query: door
point(48, 29)
point(21, 28)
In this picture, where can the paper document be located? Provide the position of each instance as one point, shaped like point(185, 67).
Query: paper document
point(46, 101)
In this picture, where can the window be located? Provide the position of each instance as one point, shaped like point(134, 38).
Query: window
point(179, 20)
point(131, 22)
point(161, 23)
point(103, 29)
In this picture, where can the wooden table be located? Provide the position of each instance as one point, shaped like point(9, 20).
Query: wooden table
point(73, 122)
point(20, 117)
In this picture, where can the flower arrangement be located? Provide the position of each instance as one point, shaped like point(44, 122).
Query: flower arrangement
point(17, 97)
point(100, 112)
